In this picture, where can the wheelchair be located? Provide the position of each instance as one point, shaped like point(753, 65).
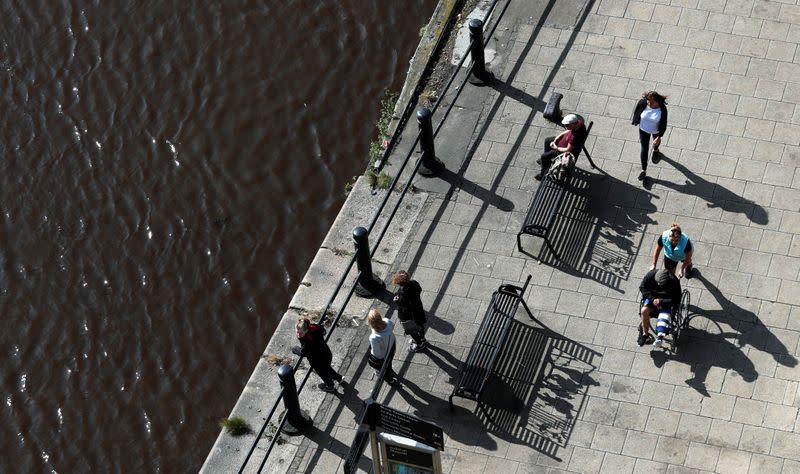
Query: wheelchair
point(679, 317)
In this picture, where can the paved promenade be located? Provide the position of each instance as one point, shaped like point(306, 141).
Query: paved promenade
point(573, 391)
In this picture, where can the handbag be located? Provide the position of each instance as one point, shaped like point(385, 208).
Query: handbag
point(561, 166)
point(374, 362)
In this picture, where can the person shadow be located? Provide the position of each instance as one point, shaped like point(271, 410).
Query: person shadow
point(721, 344)
point(715, 195)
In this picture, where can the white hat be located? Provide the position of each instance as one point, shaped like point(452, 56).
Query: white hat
point(570, 119)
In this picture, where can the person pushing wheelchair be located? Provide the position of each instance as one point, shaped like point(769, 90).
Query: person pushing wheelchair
point(661, 292)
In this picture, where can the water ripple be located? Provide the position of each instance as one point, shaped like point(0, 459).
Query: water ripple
point(169, 170)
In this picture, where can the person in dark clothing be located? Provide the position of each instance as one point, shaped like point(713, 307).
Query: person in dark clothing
point(316, 350)
point(661, 291)
point(650, 114)
point(677, 248)
point(570, 140)
point(409, 309)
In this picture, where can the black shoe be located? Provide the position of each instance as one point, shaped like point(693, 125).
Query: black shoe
point(538, 161)
point(642, 175)
point(538, 177)
point(393, 382)
point(688, 273)
point(640, 339)
point(326, 388)
point(649, 339)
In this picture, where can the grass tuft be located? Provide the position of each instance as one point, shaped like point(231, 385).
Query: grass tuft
point(235, 426)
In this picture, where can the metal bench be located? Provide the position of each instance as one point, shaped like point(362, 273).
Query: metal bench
point(547, 201)
point(490, 340)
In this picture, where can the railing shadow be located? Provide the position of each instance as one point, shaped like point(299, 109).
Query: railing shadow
point(714, 346)
point(599, 230)
point(537, 390)
point(715, 195)
point(486, 195)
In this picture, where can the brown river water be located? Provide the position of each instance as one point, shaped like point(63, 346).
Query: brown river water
point(167, 171)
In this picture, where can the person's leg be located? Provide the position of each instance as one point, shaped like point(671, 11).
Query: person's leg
point(332, 374)
point(547, 160)
point(324, 372)
point(645, 325)
point(547, 142)
point(644, 140)
point(662, 325)
point(419, 340)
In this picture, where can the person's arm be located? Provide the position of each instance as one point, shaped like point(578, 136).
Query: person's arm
point(553, 145)
point(662, 126)
point(686, 263)
point(645, 287)
point(656, 252)
point(662, 123)
point(637, 112)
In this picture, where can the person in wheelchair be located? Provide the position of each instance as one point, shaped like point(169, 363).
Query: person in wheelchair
point(661, 293)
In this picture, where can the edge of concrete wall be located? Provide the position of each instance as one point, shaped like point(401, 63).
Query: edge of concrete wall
point(419, 65)
point(228, 452)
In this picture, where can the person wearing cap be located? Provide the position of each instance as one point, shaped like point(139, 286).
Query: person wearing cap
point(677, 248)
point(650, 114)
point(569, 141)
point(661, 290)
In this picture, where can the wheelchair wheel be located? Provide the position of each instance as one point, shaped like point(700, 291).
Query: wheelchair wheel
point(681, 316)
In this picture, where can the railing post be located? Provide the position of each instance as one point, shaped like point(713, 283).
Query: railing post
point(431, 166)
point(367, 285)
point(478, 75)
point(296, 420)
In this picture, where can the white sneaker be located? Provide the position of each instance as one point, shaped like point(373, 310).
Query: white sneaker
point(659, 342)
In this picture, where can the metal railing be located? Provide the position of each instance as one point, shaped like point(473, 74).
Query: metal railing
point(476, 41)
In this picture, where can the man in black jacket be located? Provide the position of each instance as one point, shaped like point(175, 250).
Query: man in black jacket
point(316, 350)
point(661, 291)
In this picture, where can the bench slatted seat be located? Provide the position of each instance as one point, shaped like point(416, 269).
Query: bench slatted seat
point(547, 201)
point(489, 341)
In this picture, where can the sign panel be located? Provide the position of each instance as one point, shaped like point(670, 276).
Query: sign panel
point(405, 456)
point(410, 426)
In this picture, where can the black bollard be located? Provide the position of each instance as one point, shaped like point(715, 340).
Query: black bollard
point(478, 75)
point(367, 285)
point(431, 166)
point(295, 419)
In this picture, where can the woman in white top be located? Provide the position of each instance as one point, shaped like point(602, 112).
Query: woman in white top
point(381, 344)
point(650, 114)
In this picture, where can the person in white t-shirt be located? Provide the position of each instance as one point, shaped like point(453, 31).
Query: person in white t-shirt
point(650, 114)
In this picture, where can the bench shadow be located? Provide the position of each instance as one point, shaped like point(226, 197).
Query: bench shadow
point(599, 229)
point(537, 390)
point(719, 339)
point(715, 195)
